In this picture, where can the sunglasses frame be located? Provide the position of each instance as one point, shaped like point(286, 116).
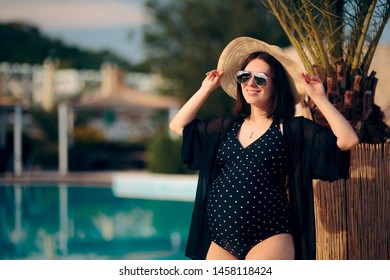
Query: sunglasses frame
point(261, 75)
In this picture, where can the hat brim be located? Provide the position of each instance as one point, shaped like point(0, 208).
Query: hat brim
point(235, 53)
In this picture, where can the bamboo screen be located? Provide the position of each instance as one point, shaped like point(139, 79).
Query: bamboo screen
point(353, 216)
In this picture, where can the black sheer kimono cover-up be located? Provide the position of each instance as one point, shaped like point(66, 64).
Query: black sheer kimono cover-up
point(312, 154)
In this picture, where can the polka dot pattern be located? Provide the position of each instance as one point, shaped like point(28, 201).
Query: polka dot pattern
point(247, 201)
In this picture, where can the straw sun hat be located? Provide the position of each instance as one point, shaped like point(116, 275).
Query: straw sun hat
point(239, 49)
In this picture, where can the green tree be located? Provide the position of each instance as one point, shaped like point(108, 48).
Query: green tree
point(187, 37)
point(24, 43)
point(336, 40)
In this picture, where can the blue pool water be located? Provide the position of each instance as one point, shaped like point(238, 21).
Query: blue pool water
point(79, 222)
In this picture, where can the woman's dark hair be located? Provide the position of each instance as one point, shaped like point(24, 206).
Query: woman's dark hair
point(282, 101)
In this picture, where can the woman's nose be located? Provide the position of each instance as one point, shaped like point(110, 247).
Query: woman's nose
point(251, 80)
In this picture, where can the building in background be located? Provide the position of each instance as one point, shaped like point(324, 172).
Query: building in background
point(121, 107)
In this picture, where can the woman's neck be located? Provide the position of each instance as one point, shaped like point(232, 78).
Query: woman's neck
point(257, 115)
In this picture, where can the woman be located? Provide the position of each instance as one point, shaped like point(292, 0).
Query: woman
point(243, 209)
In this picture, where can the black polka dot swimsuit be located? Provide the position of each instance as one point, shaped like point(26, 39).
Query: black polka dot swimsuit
point(247, 201)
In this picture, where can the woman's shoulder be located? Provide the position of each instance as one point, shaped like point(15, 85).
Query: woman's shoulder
point(217, 126)
point(226, 118)
point(297, 119)
point(300, 122)
point(223, 121)
point(303, 129)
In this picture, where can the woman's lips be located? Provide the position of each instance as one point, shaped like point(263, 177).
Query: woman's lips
point(252, 92)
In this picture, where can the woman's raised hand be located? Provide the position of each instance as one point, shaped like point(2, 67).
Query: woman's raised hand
point(346, 136)
point(189, 110)
point(212, 80)
point(314, 86)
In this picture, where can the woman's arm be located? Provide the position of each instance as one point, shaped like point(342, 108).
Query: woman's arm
point(346, 136)
point(189, 110)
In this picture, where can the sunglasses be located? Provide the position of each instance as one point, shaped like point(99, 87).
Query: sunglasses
point(261, 78)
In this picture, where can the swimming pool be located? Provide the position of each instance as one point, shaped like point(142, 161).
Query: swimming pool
point(89, 222)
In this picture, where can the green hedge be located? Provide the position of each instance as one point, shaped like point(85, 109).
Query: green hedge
point(164, 154)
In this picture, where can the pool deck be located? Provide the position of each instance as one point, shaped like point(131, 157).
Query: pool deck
point(51, 177)
point(100, 178)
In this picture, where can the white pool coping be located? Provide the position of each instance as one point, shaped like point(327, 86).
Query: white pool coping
point(155, 186)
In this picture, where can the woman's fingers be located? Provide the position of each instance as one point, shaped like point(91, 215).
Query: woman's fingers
point(310, 79)
point(214, 73)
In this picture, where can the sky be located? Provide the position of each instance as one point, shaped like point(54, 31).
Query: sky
point(92, 24)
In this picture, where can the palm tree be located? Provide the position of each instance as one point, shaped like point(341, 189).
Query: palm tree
point(336, 40)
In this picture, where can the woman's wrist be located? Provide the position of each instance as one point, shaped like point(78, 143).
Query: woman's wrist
point(320, 100)
point(204, 91)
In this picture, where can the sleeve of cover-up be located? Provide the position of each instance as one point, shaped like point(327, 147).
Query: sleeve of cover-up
point(193, 144)
point(327, 162)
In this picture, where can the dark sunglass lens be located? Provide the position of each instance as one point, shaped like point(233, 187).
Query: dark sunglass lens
point(243, 77)
point(260, 80)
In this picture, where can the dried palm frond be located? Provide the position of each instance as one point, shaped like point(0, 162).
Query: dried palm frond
point(336, 40)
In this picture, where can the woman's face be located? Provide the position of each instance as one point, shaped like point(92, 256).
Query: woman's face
point(253, 94)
